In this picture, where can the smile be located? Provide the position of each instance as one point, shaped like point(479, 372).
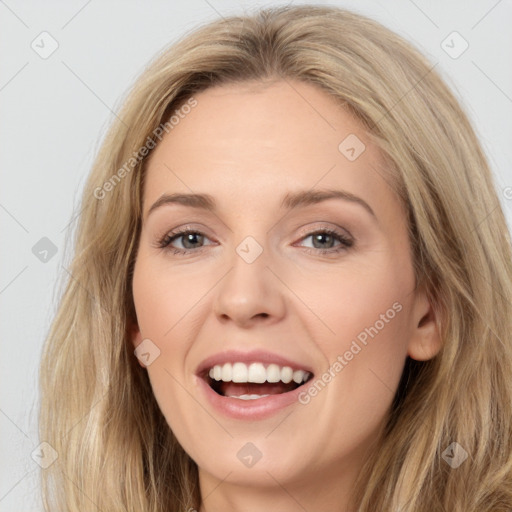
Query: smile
point(251, 385)
point(254, 381)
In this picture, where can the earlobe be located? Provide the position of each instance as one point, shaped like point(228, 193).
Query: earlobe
point(136, 340)
point(425, 342)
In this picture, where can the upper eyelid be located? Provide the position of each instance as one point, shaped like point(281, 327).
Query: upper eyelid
point(318, 225)
point(306, 231)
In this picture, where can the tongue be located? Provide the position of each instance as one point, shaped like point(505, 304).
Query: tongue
point(248, 388)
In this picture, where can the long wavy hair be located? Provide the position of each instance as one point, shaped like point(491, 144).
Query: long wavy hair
point(117, 452)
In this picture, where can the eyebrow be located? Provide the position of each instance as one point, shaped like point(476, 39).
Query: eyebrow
point(290, 201)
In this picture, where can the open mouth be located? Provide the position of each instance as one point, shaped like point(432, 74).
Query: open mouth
point(254, 381)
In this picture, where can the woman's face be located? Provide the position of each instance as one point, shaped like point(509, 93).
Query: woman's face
point(297, 267)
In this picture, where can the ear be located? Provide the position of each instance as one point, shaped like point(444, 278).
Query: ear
point(136, 339)
point(425, 341)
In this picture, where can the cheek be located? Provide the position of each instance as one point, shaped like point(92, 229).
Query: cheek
point(169, 304)
point(370, 310)
point(358, 303)
point(367, 312)
point(165, 299)
point(362, 328)
point(166, 304)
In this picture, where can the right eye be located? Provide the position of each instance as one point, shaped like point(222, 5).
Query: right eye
point(188, 237)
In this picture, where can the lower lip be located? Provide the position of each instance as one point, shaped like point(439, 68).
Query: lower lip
point(257, 409)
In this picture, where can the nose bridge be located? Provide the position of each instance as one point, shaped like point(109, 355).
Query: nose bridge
point(249, 290)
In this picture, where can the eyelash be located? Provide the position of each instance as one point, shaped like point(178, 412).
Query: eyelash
point(345, 242)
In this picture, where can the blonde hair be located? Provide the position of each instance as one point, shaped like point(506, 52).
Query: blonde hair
point(116, 451)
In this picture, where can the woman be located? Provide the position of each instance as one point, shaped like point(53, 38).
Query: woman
point(339, 337)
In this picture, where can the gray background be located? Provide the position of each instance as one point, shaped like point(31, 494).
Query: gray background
point(54, 112)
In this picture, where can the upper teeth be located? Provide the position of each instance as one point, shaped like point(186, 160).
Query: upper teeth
point(257, 373)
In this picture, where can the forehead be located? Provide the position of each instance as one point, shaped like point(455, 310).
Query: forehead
point(253, 141)
point(265, 116)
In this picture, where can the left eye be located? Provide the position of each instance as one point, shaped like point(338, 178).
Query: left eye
point(326, 240)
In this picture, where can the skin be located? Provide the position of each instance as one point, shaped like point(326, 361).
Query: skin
point(247, 145)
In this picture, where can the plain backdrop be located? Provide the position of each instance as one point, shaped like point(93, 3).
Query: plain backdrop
point(54, 113)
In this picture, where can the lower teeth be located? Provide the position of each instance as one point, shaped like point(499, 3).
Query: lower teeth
point(249, 397)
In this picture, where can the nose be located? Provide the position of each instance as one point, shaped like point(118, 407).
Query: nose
point(250, 294)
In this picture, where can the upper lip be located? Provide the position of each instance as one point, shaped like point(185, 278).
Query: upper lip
point(253, 356)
